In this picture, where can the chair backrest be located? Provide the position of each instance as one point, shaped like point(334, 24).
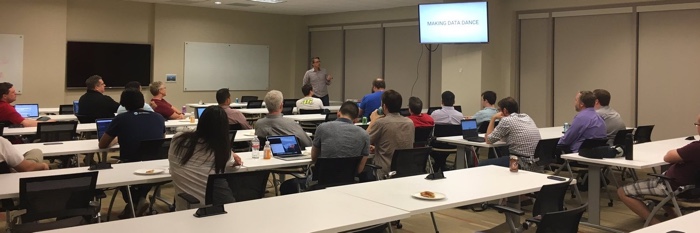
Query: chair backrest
point(445, 131)
point(546, 151)
point(4, 168)
point(422, 136)
point(311, 111)
point(289, 102)
point(235, 127)
point(248, 98)
point(409, 162)
point(620, 136)
point(242, 186)
point(550, 198)
point(643, 133)
point(483, 126)
point(458, 108)
point(232, 136)
point(56, 195)
point(335, 171)
point(83, 119)
point(254, 104)
point(404, 112)
point(561, 221)
point(153, 149)
point(331, 116)
point(65, 109)
point(56, 131)
point(432, 109)
point(287, 110)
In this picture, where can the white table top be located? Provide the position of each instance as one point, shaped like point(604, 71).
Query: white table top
point(646, 155)
point(233, 105)
point(307, 117)
point(48, 110)
point(91, 127)
point(256, 111)
point(545, 133)
point(461, 187)
point(686, 223)
point(305, 212)
point(60, 117)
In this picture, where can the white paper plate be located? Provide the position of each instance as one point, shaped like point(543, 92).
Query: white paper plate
point(438, 196)
point(149, 171)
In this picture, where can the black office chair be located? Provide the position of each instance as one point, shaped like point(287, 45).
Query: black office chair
point(248, 98)
point(287, 110)
point(442, 150)
point(682, 198)
point(329, 172)
point(432, 109)
point(289, 103)
point(66, 198)
point(422, 136)
point(619, 140)
point(331, 117)
point(83, 119)
point(311, 111)
point(56, 132)
point(458, 108)
point(254, 104)
point(404, 112)
point(65, 109)
point(643, 134)
point(581, 171)
point(483, 126)
point(231, 187)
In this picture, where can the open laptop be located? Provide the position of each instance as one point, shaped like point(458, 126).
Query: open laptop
point(285, 147)
point(470, 131)
point(198, 112)
point(27, 110)
point(102, 125)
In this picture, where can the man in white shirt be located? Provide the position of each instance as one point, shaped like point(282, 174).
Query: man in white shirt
point(447, 115)
point(30, 161)
point(309, 102)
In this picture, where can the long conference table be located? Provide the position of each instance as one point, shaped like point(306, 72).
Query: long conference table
point(89, 127)
point(686, 223)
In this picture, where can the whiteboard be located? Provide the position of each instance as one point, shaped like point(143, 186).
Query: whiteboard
point(212, 66)
point(11, 60)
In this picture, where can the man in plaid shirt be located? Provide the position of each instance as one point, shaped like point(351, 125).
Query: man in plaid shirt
point(518, 131)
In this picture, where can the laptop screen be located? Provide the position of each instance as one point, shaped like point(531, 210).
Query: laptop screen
point(75, 107)
point(27, 110)
point(102, 125)
point(198, 112)
point(469, 124)
point(284, 145)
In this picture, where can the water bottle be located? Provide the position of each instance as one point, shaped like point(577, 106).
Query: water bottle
point(566, 127)
point(184, 109)
point(255, 147)
point(267, 151)
point(629, 147)
point(236, 99)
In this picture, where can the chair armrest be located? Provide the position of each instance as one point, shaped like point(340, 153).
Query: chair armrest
point(536, 220)
point(501, 208)
point(188, 198)
point(100, 194)
point(663, 177)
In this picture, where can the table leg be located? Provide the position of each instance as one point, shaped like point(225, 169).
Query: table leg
point(594, 193)
point(513, 220)
point(461, 157)
point(131, 200)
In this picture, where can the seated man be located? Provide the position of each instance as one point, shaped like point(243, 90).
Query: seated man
point(309, 102)
point(447, 115)
point(415, 106)
point(586, 124)
point(328, 143)
point(517, 130)
point(613, 121)
point(223, 97)
point(373, 101)
point(8, 114)
point(685, 163)
point(274, 124)
point(94, 104)
point(131, 128)
point(162, 106)
point(29, 161)
point(389, 132)
point(488, 99)
point(137, 86)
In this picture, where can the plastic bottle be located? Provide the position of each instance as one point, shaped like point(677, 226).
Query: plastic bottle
point(255, 147)
point(192, 117)
point(267, 152)
point(566, 126)
point(236, 99)
point(184, 109)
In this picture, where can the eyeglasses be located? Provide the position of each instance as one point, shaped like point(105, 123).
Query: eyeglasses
point(696, 124)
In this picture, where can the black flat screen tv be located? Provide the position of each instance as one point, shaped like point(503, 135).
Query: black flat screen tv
point(453, 23)
point(117, 63)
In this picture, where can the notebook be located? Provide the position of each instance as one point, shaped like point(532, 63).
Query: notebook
point(470, 131)
point(27, 110)
point(102, 125)
point(198, 112)
point(284, 146)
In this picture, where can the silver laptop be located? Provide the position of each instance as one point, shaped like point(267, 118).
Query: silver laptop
point(285, 147)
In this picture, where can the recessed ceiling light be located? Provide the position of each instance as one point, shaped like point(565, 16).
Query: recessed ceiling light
point(217, 3)
point(269, 1)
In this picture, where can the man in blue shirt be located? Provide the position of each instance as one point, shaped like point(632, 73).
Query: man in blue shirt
point(586, 124)
point(373, 101)
point(488, 99)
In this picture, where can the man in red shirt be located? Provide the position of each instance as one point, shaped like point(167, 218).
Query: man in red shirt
point(8, 114)
point(684, 169)
point(162, 107)
point(415, 106)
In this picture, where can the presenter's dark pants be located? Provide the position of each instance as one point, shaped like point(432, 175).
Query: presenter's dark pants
point(324, 99)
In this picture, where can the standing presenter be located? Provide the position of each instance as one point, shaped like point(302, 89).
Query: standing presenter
point(319, 80)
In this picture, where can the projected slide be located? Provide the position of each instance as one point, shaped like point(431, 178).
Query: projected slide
point(454, 23)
